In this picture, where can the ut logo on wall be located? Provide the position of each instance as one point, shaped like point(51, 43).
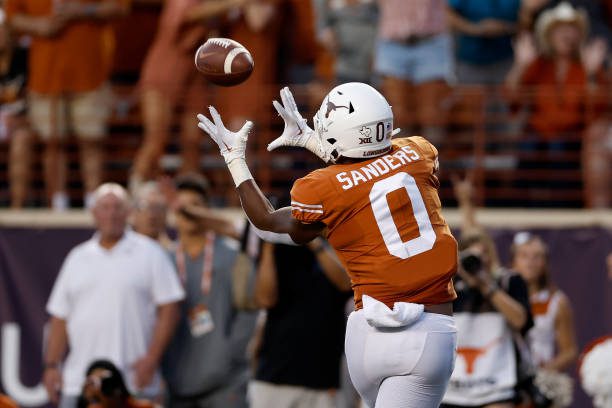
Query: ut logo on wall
point(10, 372)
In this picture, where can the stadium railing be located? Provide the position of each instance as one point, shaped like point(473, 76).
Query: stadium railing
point(483, 134)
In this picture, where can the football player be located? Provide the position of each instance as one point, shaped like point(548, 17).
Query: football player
point(377, 204)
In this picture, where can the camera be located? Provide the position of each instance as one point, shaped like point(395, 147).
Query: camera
point(470, 262)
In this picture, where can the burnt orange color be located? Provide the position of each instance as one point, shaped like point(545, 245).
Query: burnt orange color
point(324, 196)
point(78, 59)
point(557, 106)
point(6, 402)
point(251, 99)
point(471, 354)
point(169, 65)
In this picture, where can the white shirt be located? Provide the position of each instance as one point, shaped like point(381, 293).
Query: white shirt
point(542, 336)
point(108, 299)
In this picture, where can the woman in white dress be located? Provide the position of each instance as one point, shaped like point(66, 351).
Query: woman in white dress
point(552, 339)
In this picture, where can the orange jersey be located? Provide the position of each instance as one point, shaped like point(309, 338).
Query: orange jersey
point(6, 402)
point(384, 221)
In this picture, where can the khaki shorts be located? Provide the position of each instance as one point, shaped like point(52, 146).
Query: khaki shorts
point(84, 114)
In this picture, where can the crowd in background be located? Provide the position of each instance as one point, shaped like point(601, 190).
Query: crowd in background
point(545, 65)
point(217, 318)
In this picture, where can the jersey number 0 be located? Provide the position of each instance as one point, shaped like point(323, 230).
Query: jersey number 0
point(378, 198)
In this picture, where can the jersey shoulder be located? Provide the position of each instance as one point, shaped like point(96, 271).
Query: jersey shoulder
point(422, 145)
point(309, 196)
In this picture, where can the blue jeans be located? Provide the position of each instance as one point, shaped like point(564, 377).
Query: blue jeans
point(426, 60)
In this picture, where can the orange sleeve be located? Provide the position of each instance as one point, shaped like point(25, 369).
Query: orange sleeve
point(425, 147)
point(428, 150)
point(307, 199)
point(6, 402)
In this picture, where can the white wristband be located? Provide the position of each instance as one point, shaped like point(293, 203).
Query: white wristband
point(240, 171)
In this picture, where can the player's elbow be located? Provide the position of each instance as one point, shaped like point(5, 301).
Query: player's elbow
point(263, 222)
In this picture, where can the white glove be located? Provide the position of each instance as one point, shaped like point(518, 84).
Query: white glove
point(231, 144)
point(297, 132)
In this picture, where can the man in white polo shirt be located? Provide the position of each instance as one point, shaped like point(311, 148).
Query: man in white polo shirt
point(116, 297)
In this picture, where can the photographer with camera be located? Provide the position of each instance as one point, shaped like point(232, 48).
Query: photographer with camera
point(492, 306)
point(491, 312)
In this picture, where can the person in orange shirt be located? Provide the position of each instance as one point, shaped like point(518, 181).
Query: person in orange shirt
point(70, 59)
point(169, 76)
point(377, 203)
point(563, 84)
point(6, 402)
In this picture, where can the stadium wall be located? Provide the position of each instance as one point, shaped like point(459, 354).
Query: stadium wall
point(33, 245)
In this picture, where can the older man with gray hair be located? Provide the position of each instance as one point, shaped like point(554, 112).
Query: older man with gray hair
point(116, 297)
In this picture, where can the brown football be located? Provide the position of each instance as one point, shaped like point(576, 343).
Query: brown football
point(224, 62)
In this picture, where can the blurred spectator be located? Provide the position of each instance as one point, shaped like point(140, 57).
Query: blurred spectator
point(105, 388)
point(255, 25)
point(483, 42)
point(562, 85)
point(150, 213)
point(299, 57)
point(560, 72)
point(115, 298)
point(298, 361)
point(205, 365)
point(347, 29)
point(597, 164)
point(492, 304)
point(414, 56)
point(598, 12)
point(530, 9)
point(13, 124)
point(552, 339)
point(168, 76)
point(70, 60)
point(492, 307)
point(6, 402)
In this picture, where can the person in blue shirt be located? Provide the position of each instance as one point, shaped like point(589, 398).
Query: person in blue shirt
point(483, 38)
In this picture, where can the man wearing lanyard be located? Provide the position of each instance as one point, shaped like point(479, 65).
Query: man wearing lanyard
point(205, 365)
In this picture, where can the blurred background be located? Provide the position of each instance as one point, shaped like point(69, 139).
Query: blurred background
point(515, 94)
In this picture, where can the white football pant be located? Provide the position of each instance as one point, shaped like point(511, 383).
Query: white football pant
point(401, 367)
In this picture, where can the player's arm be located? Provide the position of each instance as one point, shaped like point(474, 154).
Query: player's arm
point(265, 217)
point(256, 206)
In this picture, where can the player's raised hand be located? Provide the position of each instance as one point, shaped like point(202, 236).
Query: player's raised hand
point(297, 132)
point(231, 144)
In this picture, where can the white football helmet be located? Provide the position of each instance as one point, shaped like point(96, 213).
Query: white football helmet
point(356, 120)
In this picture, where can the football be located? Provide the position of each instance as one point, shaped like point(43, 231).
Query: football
point(224, 62)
